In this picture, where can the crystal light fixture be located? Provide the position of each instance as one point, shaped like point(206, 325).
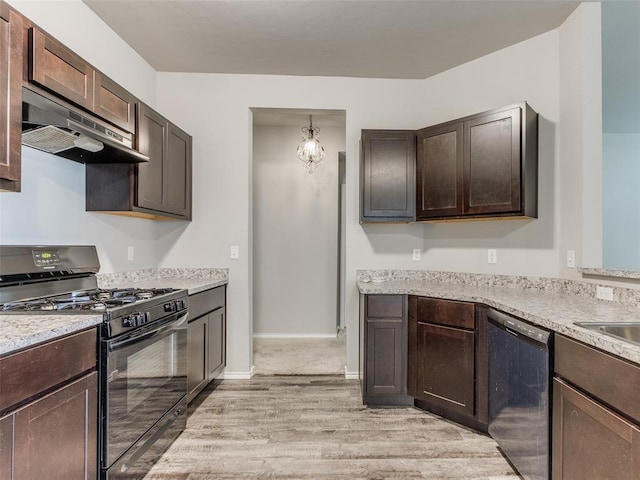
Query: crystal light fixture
point(310, 153)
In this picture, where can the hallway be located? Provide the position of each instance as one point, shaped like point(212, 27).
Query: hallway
point(300, 356)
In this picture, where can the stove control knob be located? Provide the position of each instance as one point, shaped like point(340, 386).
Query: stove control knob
point(168, 307)
point(143, 318)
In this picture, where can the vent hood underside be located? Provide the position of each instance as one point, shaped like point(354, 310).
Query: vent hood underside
point(67, 133)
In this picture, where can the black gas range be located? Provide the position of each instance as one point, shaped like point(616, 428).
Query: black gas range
point(123, 309)
point(142, 350)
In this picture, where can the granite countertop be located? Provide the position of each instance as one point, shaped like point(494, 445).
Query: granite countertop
point(18, 331)
point(552, 310)
point(194, 280)
point(24, 330)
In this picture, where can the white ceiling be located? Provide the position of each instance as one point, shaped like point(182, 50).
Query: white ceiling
point(355, 38)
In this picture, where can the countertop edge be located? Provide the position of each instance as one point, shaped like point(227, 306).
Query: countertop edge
point(527, 308)
point(63, 325)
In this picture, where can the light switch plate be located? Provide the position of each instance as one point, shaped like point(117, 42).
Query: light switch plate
point(235, 252)
point(571, 258)
point(131, 253)
point(492, 256)
point(416, 254)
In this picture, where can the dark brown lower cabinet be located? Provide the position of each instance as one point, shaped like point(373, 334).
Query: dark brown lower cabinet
point(590, 441)
point(596, 414)
point(447, 364)
point(384, 368)
point(206, 338)
point(216, 342)
point(197, 377)
point(446, 367)
point(54, 437)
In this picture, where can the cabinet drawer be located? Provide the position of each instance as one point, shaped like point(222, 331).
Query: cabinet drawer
point(32, 371)
point(607, 378)
point(205, 302)
point(446, 312)
point(384, 306)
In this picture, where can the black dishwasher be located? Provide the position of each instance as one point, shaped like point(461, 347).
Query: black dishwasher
point(520, 371)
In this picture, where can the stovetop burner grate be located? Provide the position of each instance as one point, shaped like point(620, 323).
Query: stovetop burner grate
point(88, 300)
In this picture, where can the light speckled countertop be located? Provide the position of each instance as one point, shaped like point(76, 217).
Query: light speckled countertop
point(552, 310)
point(18, 331)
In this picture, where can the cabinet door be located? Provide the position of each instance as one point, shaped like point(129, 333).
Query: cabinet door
point(58, 434)
point(152, 140)
point(384, 344)
point(11, 52)
point(492, 163)
point(445, 367)
point(6, 447)
point(56, 68)
point(114, 103)
point(439, 171)
point(216, 351)
point(387, 176)
point(177, 180)
point(384, 357)
point(590, 442)
point(197, 357)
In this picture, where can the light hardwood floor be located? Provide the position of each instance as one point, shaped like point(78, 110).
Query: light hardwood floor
point(317, 428)
point(300, 356)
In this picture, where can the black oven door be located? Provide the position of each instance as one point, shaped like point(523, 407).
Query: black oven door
point(144, 376)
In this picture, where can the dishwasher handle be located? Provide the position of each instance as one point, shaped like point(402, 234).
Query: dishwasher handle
point(518, 327)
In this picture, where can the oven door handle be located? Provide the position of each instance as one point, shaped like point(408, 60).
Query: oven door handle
point(117, 345)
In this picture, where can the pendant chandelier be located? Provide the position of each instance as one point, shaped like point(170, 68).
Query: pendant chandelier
point(310, 153)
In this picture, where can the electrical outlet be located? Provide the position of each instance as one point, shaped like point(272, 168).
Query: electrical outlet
point(492, 256)
point(571, 258)
point(130, 253)
point(416, 254)
point(235, 252)
point(604, 293)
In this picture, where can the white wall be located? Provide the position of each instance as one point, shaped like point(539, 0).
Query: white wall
point(215, 109)
point(621, 208)
point(50, 208)
point(295, 234)
point(580, 134)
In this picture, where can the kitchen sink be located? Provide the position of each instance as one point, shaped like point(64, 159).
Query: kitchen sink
point(628, 331)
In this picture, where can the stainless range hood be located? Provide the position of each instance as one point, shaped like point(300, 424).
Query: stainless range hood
point(73, 134)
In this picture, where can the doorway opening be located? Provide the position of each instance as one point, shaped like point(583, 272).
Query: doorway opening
point(298, 245)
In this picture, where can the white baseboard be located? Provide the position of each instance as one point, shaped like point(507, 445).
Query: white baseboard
point(236, 375)
point(351, 375)
point(295, 335)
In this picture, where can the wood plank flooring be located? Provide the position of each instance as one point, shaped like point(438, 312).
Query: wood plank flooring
point(315, 427)
point(300, 356)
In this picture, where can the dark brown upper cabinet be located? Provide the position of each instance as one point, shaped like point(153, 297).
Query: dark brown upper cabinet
point(114, 103)
point(164, 183)
point(158, 189)
point(387, 176)
point(59, 71)
point(54, 67)
point(11, 55)
point(439, 171)
point(485, 165)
